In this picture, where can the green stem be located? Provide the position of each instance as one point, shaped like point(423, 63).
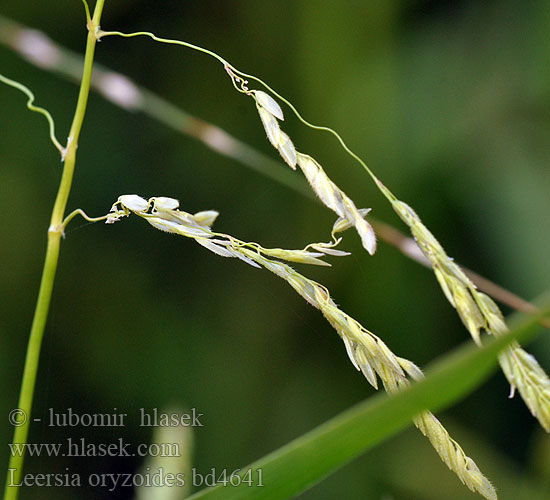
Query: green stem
point(15, 467)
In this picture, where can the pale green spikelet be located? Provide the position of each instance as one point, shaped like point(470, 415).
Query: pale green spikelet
point(453, 455)
point(335, 199)
point(328, 248)
point(271, 126)
point(448, 449)
point(287, 150)
point(524, 373)
point(267, 102)
point(269, 112)
point(206, 217)
point(368, 353)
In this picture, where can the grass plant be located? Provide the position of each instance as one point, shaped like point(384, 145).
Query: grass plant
point(411, 394)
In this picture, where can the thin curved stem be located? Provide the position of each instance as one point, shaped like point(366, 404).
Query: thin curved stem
point(101, 34)
point(87, 9)
point(15, 467)
point(36, 109)
point(226, 64)
point(84, 215)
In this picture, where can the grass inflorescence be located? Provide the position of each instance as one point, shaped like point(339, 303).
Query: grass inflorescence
point(367, 352)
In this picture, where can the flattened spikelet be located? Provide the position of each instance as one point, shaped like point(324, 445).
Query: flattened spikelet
point(271, 126)
point(287, 150)
point(269, 104)
point(335, 199)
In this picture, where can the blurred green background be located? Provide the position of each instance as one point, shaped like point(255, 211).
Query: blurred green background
point(448, 102)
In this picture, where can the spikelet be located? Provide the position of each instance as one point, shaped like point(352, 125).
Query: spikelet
point(327, 191)
point(287, 150)
point(271, 126)
point(367, 352)
point(452, 454)
point(335, 199)
point(479, 312)
point(269, 111)
point(267, 102)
